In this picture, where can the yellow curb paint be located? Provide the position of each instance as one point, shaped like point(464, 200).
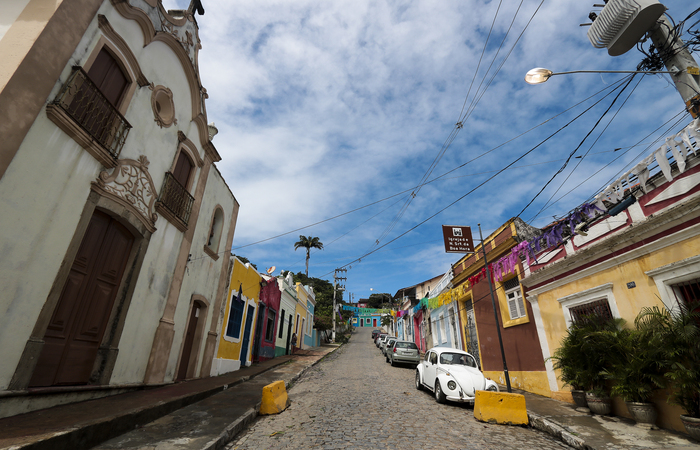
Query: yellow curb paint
point(274, 398)
point(500, 407)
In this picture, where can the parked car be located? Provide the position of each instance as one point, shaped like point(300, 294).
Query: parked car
point(403, 352)
point(389, 342)
point(452, 375)
point(380, 338)
point(375, 333)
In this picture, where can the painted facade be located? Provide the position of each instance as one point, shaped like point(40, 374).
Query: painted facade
point(235, 348)
point(309, 340)
point(302, 324)
point(288, 304)
point(367, 320)
point(645, 256)
point(515, 316)
point(266, 326)
point(123, 221)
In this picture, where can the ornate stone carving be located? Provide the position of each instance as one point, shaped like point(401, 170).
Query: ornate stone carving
point(131, 185)
point(163, 106)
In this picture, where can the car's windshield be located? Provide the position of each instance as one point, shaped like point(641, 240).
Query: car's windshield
point(457, 358)
point(410, 345)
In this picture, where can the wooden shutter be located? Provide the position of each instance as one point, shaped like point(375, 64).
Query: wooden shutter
point(182, 170)
point(108, 77)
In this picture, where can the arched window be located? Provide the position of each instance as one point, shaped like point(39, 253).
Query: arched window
point(217, 225)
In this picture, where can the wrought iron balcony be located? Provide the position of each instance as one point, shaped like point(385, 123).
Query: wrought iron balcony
point(83, 102)
point(175, 200)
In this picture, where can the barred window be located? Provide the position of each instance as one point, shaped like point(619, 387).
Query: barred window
point(688, 291)
point(598, 309)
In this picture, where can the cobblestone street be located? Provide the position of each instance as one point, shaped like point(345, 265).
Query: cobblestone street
point(354, 399)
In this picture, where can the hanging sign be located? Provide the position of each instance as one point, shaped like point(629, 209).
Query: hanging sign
point(457, 239)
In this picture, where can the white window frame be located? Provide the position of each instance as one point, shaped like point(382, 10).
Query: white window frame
point(665, 277)
point(443, 331)
point(518, 296)
point(602, 292)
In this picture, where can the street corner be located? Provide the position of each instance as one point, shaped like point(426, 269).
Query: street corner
point(274, 398)
point(500, 407)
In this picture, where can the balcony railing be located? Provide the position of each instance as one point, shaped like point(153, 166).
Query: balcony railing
point(175, 198)
point(90, 109)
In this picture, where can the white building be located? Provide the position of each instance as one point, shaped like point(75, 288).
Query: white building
point(114, 216)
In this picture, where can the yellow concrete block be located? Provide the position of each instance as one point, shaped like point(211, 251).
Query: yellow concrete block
point(500, 407)
point(274, 398)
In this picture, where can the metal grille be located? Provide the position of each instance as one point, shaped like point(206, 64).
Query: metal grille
point(599, 309)
point(511, 284)
point(90, 109)
point(688, 291)
point(472, 341)
point(175, 197)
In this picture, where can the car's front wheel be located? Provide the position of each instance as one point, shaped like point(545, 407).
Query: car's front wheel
point(440, 396)
point(419, 385)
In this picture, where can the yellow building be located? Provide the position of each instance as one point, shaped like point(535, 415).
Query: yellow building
point(302, 327)
point(238, 328)
point(644, 253)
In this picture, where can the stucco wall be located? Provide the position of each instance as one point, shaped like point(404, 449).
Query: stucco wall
point(243, 277)
point(628, 303)
point(58, 173)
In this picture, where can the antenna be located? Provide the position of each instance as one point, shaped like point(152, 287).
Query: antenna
point(271, 269)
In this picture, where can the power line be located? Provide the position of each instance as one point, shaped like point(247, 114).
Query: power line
point(577, 147)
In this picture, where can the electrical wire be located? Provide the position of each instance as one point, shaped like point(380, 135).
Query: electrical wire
point(578, 146)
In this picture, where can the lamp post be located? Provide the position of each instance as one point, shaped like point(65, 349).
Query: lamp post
point(540, 75)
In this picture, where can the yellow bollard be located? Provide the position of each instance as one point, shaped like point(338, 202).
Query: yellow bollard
point(274, 398)
point(500, 407)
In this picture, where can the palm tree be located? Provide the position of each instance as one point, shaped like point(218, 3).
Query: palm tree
point(308, 243)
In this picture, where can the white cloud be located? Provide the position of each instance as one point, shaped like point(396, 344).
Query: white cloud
point(325, 106)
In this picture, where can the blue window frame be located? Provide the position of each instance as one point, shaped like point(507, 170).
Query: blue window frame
point(235, 317)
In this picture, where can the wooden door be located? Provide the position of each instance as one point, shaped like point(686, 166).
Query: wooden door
point(246, 334)
point(189, 341)
point(78, 323)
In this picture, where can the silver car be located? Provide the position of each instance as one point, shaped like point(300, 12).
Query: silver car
point(403, 352)
point(388, 344)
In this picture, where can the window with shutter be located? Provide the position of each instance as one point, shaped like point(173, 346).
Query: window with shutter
point(516, 305)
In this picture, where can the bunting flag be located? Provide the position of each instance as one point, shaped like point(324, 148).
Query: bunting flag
point(367, 310)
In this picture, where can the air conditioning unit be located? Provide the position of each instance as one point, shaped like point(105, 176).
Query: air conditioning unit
point(623, 23)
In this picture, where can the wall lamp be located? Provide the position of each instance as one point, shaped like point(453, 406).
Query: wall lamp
point(540, 75)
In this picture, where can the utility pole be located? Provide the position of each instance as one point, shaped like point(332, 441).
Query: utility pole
point(621, 24)
point(495, 314)
point(335, 289)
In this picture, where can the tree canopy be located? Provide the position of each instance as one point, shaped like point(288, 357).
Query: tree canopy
point(379, 301)
point(308, 242)
point(324, 298)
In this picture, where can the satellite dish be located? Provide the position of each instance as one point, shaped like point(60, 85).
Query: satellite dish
point(270, 270)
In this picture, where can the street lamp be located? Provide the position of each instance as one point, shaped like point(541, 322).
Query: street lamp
point(540, 75)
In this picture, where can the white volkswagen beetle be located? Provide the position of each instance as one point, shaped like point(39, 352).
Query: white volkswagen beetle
point(452, 375)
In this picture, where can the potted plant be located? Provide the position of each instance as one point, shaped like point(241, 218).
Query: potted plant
point(600, 344)
point(570, 360)
point(638, 373)
point(679, 330)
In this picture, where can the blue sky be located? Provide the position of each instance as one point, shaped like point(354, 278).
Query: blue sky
point(325, 107)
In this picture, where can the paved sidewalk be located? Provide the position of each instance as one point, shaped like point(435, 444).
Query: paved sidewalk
point(86, 424)
point(591, 432)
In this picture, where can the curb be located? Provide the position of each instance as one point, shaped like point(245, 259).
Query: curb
point(240, 424)
point(231, 431)
point(94, 433)
point(557, 431)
